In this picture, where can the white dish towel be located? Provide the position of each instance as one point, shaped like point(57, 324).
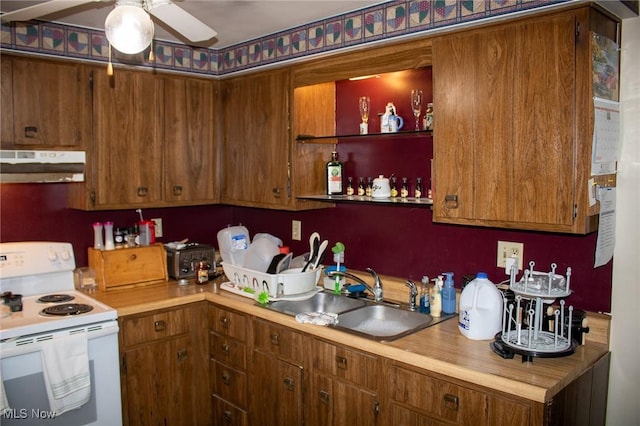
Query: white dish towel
point(65, 365)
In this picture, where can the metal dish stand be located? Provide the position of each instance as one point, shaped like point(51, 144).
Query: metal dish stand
point(522, 321)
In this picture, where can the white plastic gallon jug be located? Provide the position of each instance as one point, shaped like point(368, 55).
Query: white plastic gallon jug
point(233, 242)
point(480, 309)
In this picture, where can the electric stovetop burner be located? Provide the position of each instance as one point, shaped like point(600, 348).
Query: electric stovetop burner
point(56, 298)
point(66, 309)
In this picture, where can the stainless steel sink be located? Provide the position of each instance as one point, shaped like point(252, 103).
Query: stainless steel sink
point(382, 322)
point(321, 302)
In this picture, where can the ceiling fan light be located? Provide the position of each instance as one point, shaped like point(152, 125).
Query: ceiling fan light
point(129, 29)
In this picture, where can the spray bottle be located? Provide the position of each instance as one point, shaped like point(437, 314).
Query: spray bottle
point(436, 297)
point(448, 295)
point(425, 305)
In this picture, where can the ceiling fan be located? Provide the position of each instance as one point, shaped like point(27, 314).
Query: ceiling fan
point(128, 27)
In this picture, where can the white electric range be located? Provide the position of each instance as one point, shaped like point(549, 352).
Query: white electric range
point(41, 306)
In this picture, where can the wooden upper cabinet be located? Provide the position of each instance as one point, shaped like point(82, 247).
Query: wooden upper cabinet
point(189, 141)
point(255, 151)
point(127, 117)
point(507, 148)
point(44, 104)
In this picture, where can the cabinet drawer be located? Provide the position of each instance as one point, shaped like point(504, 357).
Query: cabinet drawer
point(229, 384)
point(278, 340)
point(437, 398)
point(227, 414)
point(228, 351)
point(356, 367)
point(156, 326)
point(228, 323)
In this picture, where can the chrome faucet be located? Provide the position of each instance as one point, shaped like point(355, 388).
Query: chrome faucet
point(413, 293)
point(376, 290)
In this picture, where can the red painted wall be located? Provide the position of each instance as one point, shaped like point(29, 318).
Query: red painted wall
point(398, 241)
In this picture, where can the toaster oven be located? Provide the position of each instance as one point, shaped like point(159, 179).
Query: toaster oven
point(181, 262)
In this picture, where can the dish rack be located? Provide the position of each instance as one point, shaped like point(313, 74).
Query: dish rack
point(289, 283)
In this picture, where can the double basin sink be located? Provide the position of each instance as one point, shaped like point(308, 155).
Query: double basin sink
point(376, 321)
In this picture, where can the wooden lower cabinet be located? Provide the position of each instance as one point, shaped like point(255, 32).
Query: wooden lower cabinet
point(344, 386)
point(163, 356)
point(277, 375)
point(228, 366)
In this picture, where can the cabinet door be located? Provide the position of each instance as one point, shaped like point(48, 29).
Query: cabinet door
point(504, 130)
point(127, 110)
point(189, 144)
point(278, 386)
point(256, 140)
point(6, 103)
point(337, 402)
point(48, 103)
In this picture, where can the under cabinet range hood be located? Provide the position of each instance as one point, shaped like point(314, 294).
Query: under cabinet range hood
point(25, 166)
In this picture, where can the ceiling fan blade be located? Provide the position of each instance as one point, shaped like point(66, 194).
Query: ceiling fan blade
point(181, 21)
point(41, 9)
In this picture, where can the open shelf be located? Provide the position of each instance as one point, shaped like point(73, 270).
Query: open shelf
point(396, 201)
point(332, 139)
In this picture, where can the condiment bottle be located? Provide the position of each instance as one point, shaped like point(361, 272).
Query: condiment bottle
point(361, 187)
point(369, 189)
point(350, 186)
point(202, 272)
point(418, 190)
point(334, 175)
point(404, 189)
point(428, 117)
point(394, 187)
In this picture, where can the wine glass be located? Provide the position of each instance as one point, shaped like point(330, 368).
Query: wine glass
point(364, 104)
point(416, 105)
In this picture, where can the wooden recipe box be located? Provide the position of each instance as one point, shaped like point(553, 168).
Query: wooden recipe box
point(129, 266)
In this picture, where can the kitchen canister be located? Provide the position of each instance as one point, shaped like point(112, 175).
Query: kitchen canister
point(480, 309)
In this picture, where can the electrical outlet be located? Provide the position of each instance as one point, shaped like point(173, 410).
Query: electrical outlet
point(296, 230)
point(158, 227)
point(507, 249)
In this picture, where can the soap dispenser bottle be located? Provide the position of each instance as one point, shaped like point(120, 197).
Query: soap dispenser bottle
point(448, 295)
point(436, 298)
point(425, 305)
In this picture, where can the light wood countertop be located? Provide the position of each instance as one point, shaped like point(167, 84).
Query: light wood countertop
point(440, 349)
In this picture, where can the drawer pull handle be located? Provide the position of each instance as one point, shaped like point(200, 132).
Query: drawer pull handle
point(225, 348)
point(276, 192)
point(451, 402)
point(133, 257)
point(227, 417)
point(451, 201)
point(325, 398)
point(177, 190)
point(30, 132)
point(224, 321)
point(275, 339)
point(160, 325)
point(182, 355)
point(289, 384)
point(143, 191)
point(226, 379)
point(341, 362)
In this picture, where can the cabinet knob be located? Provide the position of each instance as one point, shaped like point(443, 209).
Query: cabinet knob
point(276, 192)
point(225, 348)
point(30, 132)
point(451, 201)
point(451, 402)
point(341, 362)
point(227, 417)
point(224, 321)
point(275, 339)
point(325, 397)
point(160, 325)
point(182, 354)
point(226, 379)
point(143, 191)
point(289, 384)
point(177, 190)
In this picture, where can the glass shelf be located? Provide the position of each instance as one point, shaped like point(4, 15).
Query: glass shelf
point(330, 139)
point(396, 201)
